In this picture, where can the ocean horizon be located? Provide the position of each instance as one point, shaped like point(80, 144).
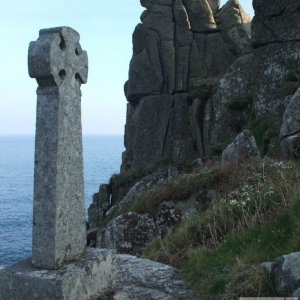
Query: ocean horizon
point(102, 158)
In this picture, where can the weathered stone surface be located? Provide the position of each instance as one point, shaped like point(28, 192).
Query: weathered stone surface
point(291, 118)
point(183, 45)
point(128, 233)
point(145, 71)
point(168, 217)
point(200, 16)
point(257, 88)
point(202, 200)
point(131, 232)
point(177, 44)
point(149, 3)
point(100, 274)
point(214, 5)
point(235, 26)
point(115, 196)
point(275, 21)
point(58, 63)
point(210, 56)
point(285, 272)
point(197, 164)
point(101, 203)
point(143, 279)
point(171, 213)
point(243, 148)
point(290, 146)
point(275, 68)
point(84, 280)
point(148, 183)
point(158, 128)
point(223, 119)
point(119, 190)
point(290, 128)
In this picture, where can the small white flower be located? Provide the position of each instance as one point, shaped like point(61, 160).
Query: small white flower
point(233, 202)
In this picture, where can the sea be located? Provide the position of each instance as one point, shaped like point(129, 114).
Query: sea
point(102, 158)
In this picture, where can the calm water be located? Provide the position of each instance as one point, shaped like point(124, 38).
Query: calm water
point(102, 158)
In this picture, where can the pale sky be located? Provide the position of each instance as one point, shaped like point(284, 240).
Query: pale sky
point(105, 28)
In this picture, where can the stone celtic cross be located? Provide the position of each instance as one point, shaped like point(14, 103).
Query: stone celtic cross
point(60, 66)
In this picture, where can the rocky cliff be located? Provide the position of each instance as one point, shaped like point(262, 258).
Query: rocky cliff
point(257, 88)
point(198, 77)
point(180, 45)
point(209, 90)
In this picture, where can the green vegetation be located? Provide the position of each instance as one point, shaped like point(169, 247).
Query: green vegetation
point(256, 219)
point(218, 149)
point(241, 104)
point(203, 88)
point(291, 85)
point(108, 295)
point(182, 188)
point(137, 173)
point(262, 129)
point(263, 133)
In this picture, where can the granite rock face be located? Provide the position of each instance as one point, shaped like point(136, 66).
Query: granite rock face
point(285, 272)
point(100, 204)
point(148, 183)
point(105, 202)
point(204, 54)
point(199, 82)
point(227, 111)
point(137, 278)
point(243, 148)
point(158, 128)
point(275, 21)
point(257, 88)
point(177, 44)
point(131, 232)
point(128, 233)
point(290, 128)
point(102, 274)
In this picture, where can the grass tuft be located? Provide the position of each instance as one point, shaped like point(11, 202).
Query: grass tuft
point(203, 88)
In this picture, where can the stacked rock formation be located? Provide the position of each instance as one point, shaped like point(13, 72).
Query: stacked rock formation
point(178, 44)
point(258, 87)
point(201, 89)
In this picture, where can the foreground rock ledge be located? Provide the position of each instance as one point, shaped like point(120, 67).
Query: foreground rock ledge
point(99, 274)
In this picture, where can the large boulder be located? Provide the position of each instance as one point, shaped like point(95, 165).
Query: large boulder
point(242, 149)
point(148, 183)
point(285, 272)
point(136, 278)
point(171, 213)
point(129, 233)
point(290, 128)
